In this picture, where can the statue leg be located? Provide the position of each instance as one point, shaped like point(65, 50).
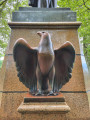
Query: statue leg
point(39, 79)
point(33, 86)
point(39, 3)
point(51, 81)
point(56, 86)
point(43, 83)
point(44, 3)
point(33, 3)
point(52, 3)
point(55, 3)
point(47, 1)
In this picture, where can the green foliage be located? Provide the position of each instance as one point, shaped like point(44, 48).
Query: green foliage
point(82, 7)
point(1, 61)
point(6, 9)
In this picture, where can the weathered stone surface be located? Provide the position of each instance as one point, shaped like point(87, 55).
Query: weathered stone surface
point(41, 9)
point(30, 98)
point(43, 15)
point(10, 103)
point(43, 117)
point(75, 95)
point(2, 76)
point(60, 32)
point(45, 25)
point(78, 102)
point(44, 107)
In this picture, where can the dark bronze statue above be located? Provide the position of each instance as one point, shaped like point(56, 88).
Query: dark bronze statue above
point(43, 3)
point(44, 70)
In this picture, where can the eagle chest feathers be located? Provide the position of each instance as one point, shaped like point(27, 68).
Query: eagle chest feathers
point(45, 62)
point(45, 53)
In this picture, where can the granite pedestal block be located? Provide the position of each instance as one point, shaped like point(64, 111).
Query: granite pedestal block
point(42, 107)
point(28, 14)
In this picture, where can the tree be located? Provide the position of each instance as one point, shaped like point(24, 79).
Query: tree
point(82, 7)
point(6, 9)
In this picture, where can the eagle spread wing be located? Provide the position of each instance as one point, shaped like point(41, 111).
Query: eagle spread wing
point(64, 59)
point(26, 62)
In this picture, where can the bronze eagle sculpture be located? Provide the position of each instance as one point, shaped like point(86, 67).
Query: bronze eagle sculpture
point(43, 70)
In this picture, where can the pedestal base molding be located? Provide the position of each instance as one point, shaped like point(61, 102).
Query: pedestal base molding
point(42, 108)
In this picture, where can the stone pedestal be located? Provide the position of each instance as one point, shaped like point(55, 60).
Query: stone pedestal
point(62, 30)
point(43, 15)
point(43, 111)
point(43, 108)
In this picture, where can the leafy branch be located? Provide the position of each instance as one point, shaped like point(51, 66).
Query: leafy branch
point(86, 5)
point(3, 2)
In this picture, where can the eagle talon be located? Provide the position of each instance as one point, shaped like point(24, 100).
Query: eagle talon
point(51, 93)
point(33, 93)
point(39, 93)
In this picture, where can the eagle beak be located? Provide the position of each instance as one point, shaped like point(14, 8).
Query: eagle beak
point(39, 33)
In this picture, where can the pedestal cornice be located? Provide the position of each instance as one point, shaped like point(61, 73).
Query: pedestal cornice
point(44, 25)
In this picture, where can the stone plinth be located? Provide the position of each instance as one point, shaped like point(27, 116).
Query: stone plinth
point(43, 110)
point(74, 90)
point(14, 91)
point(27, 14)
point(43, 107)
point(30, 98)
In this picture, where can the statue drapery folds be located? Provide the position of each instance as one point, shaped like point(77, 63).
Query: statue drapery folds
point(43, 3)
